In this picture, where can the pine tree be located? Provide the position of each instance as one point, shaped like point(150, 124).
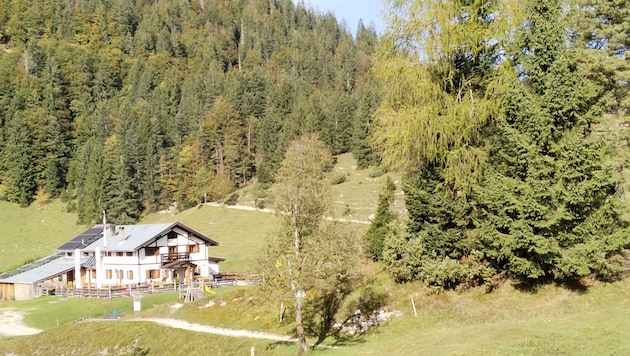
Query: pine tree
point(603, 29)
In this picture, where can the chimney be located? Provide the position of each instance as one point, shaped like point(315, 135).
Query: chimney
point(121, 233)
point(112, 230)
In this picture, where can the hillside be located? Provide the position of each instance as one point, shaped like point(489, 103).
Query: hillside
point(127, 107)
point(36, 231)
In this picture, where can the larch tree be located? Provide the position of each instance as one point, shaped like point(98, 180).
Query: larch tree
point(439, 67)
point(436, 68)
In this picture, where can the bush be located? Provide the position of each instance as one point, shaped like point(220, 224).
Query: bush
point(377, 172)
point(232, 199)
point(451, 274)
point(339, 178)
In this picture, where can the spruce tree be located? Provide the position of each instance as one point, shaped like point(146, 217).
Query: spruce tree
point(20, 175)
point(379, 229)
point(547, 206)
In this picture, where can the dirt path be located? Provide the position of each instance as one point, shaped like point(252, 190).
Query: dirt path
point(271, 211)
point(182, 324)
point(11, 324)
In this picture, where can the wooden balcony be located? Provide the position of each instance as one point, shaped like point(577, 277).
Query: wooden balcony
point(175, 257)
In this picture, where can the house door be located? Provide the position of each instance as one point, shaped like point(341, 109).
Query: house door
point(172, 253)
point(71, 278)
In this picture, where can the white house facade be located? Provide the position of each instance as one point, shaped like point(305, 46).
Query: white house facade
point(126, 255)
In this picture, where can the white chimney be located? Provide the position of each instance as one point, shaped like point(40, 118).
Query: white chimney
point(121, 233)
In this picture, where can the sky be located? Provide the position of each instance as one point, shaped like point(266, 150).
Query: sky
point(352, 11)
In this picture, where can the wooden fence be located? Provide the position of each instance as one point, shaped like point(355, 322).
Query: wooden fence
point(216, 281)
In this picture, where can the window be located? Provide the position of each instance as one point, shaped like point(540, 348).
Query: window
point(108, 273)
point(119, 254)
point(108, 253)
point(130, 275)
point(153, 273)
point(193, 248)
point(151, 251)
point(129, 254)
point(120, 274)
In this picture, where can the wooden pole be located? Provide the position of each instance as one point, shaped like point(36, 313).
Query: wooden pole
point(413, 304)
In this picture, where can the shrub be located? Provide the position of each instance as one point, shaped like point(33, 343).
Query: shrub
point(377, 172)
point(232, 199)
point(339, 178)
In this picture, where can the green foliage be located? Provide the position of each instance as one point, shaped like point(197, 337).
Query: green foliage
point(339, 178)
point(528, 191)
point(384, 217)
point(312, 260)
point(20, 173)
point(549, 204)
point(200, 101)
point(602, 31)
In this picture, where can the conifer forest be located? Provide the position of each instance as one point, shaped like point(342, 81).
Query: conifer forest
point(492, 109)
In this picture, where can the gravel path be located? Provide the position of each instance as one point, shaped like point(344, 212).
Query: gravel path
point(11, 324)
point(182, 324)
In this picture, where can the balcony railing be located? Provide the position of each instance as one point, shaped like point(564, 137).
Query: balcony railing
point(172, 257)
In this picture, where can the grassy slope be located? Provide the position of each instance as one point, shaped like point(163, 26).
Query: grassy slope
point(33, 232)
point(550, 320)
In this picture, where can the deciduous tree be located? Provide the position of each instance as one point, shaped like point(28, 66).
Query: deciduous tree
point(306, 260)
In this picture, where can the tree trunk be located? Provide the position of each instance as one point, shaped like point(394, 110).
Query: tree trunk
point(299, 323)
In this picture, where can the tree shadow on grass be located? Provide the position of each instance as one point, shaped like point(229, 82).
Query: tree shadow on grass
point(533, 286)
point(341, 341)
point(275, 345)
